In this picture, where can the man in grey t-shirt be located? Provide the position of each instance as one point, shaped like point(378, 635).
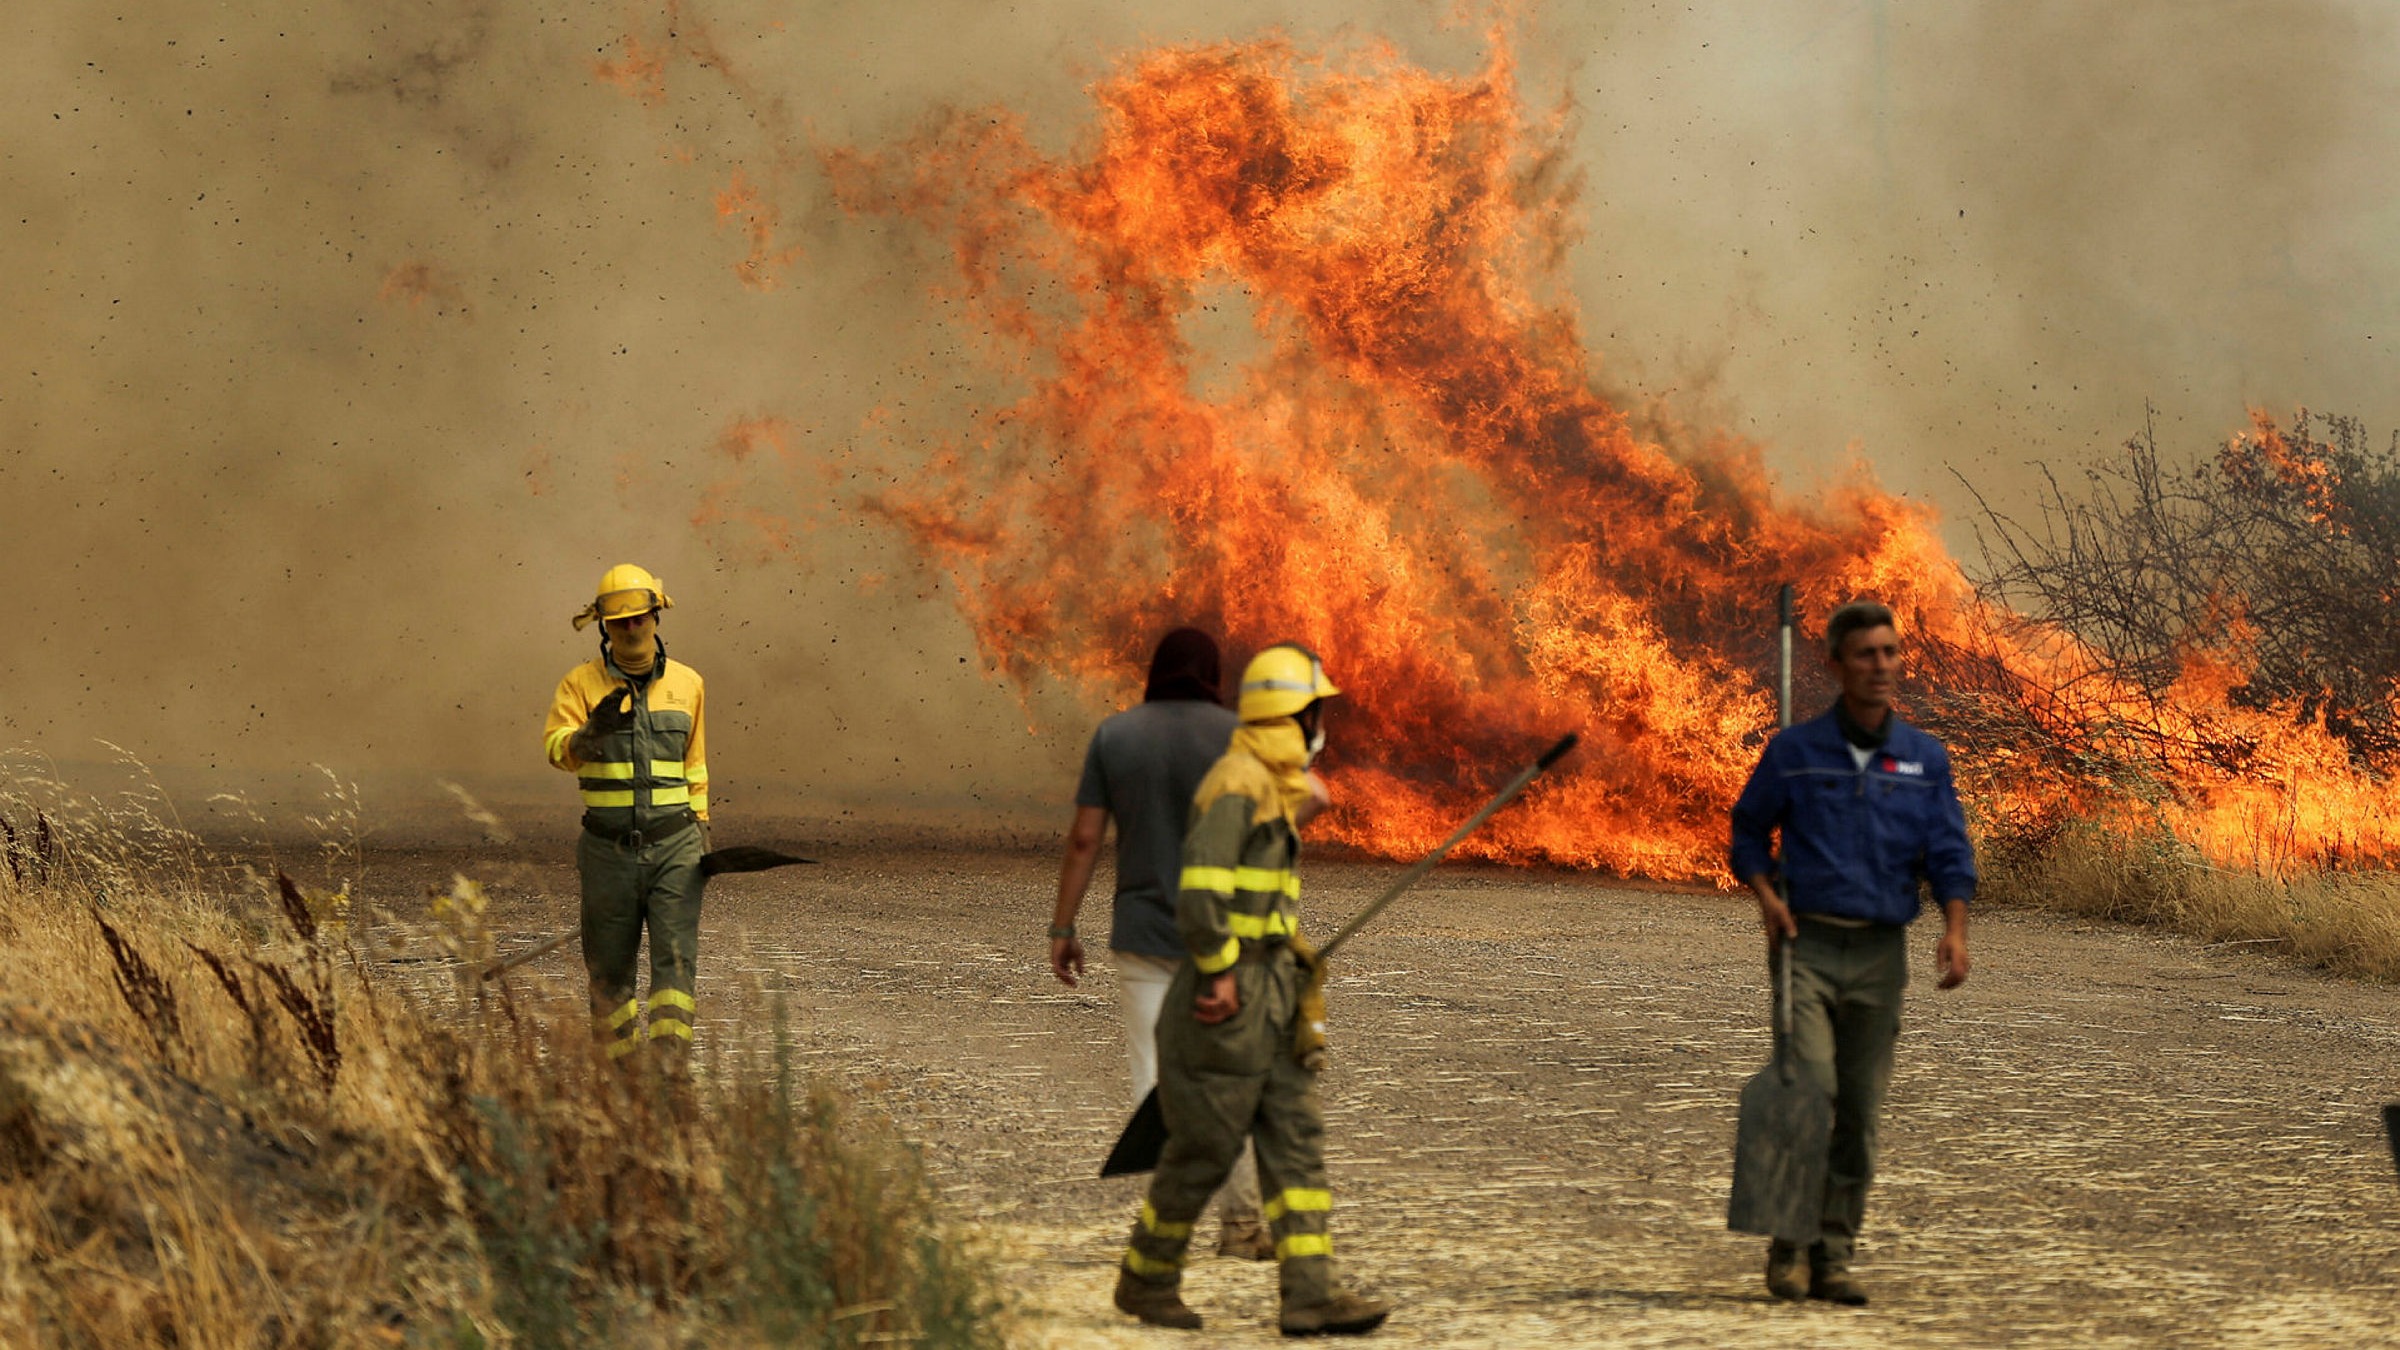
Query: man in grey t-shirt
point(1143, 766)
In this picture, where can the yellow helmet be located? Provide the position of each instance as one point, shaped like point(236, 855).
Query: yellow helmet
point(625, 590)
point(1281, 681)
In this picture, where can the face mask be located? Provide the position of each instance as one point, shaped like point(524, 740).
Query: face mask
point(1316, 742)
point(637, 666)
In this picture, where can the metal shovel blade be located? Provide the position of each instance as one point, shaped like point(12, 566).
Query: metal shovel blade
point(1144, 1139)
point(1779, 1155)
point(746, 858)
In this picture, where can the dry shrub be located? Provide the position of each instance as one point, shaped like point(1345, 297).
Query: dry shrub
point(736, 1197)
point(221, 1125)
point(2345, 922)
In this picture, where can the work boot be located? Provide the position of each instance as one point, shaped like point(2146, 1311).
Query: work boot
point(1787, 1271)
point(1341, 1315)
point(1835, 1284)
point(1160, 1305)
point(1244, 1238)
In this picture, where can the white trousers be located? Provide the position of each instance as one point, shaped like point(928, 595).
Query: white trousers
point(1143, 982)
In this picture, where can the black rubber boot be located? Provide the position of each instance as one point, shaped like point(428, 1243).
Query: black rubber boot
point(1341, 1315)
point(1787, 1271)
point(1160, 1305)
point(1835, 1284)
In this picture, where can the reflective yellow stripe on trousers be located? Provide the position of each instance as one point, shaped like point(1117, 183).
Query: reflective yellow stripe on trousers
point(1148, 1267)
point(1151, 1224)
point(1299, 1199)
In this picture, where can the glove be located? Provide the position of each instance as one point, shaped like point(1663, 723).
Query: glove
point(1308, 1026)
point(609, 716)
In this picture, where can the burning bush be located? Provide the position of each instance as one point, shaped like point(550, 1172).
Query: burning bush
point(2281, 555)
point(2219, 631)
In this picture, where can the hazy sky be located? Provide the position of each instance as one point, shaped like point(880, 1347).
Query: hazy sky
point(348, 343)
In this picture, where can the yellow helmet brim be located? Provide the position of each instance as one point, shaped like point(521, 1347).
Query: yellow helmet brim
point(622, 605)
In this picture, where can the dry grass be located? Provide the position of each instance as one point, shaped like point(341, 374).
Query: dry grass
point(222, 1125)
point(2344, 922)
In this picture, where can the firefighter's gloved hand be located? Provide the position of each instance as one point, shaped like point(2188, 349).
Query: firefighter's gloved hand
point(609, 716)
point(1308, 1027)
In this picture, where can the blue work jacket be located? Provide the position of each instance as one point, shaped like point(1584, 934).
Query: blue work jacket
point(1856, 842)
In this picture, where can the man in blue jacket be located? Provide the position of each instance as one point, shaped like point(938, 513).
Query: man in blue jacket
point(1867, 814)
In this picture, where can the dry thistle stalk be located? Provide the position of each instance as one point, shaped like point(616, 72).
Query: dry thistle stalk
point(240, 994)
point(313, 1014)
point(150, 997)
point(45, 846)
point(295, 906)
point(459, 926)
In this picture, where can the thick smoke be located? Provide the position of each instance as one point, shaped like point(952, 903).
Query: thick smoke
point(351, 342)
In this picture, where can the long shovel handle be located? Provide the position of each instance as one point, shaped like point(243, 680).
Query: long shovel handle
point(1781, 954)
point(533, 953)
point(1783, 1002)
point(1417, 870)
point(1144, 1137)
point(1785, 619)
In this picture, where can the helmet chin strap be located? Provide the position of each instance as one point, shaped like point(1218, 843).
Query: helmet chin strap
point(1316, 742)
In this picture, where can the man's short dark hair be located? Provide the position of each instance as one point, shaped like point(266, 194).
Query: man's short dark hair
point(1855, 617)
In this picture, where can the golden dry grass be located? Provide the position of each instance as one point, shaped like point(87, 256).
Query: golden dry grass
point(2344, 922)
point(223, 1124)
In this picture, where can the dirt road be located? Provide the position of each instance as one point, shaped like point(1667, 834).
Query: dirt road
point(2106, 1138)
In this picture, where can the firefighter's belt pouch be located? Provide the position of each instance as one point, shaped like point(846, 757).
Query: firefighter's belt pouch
point(1308, 1023)
point(638, 838)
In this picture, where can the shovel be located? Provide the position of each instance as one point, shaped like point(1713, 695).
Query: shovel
point(739, 858)
point(1779, 1149)
point(1145, 1136)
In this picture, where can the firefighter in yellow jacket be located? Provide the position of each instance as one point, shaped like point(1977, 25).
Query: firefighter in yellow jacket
point(1229, 1065)
point(629, 725)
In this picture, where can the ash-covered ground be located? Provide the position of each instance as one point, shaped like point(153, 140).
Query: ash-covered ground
point(2106, 1138)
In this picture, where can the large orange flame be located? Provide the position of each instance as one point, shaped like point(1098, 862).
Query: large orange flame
point(1412, 473)
point(1405, 461)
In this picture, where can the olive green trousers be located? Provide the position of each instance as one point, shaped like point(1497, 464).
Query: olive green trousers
point(1846, 989)
point(1219, 1087)
point(626, 889)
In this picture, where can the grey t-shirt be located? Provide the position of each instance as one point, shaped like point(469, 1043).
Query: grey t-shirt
point(1143, 766)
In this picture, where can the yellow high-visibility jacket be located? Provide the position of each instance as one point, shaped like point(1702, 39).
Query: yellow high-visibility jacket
point(1238, 884)
point(647, 774)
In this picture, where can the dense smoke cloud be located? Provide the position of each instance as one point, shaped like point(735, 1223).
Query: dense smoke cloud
point(1972, 235)
point(349, 343)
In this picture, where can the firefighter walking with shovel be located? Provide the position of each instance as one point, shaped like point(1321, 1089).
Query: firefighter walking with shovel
point(1227, 1069)
point(1867, 813)
point(1242, 1035)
